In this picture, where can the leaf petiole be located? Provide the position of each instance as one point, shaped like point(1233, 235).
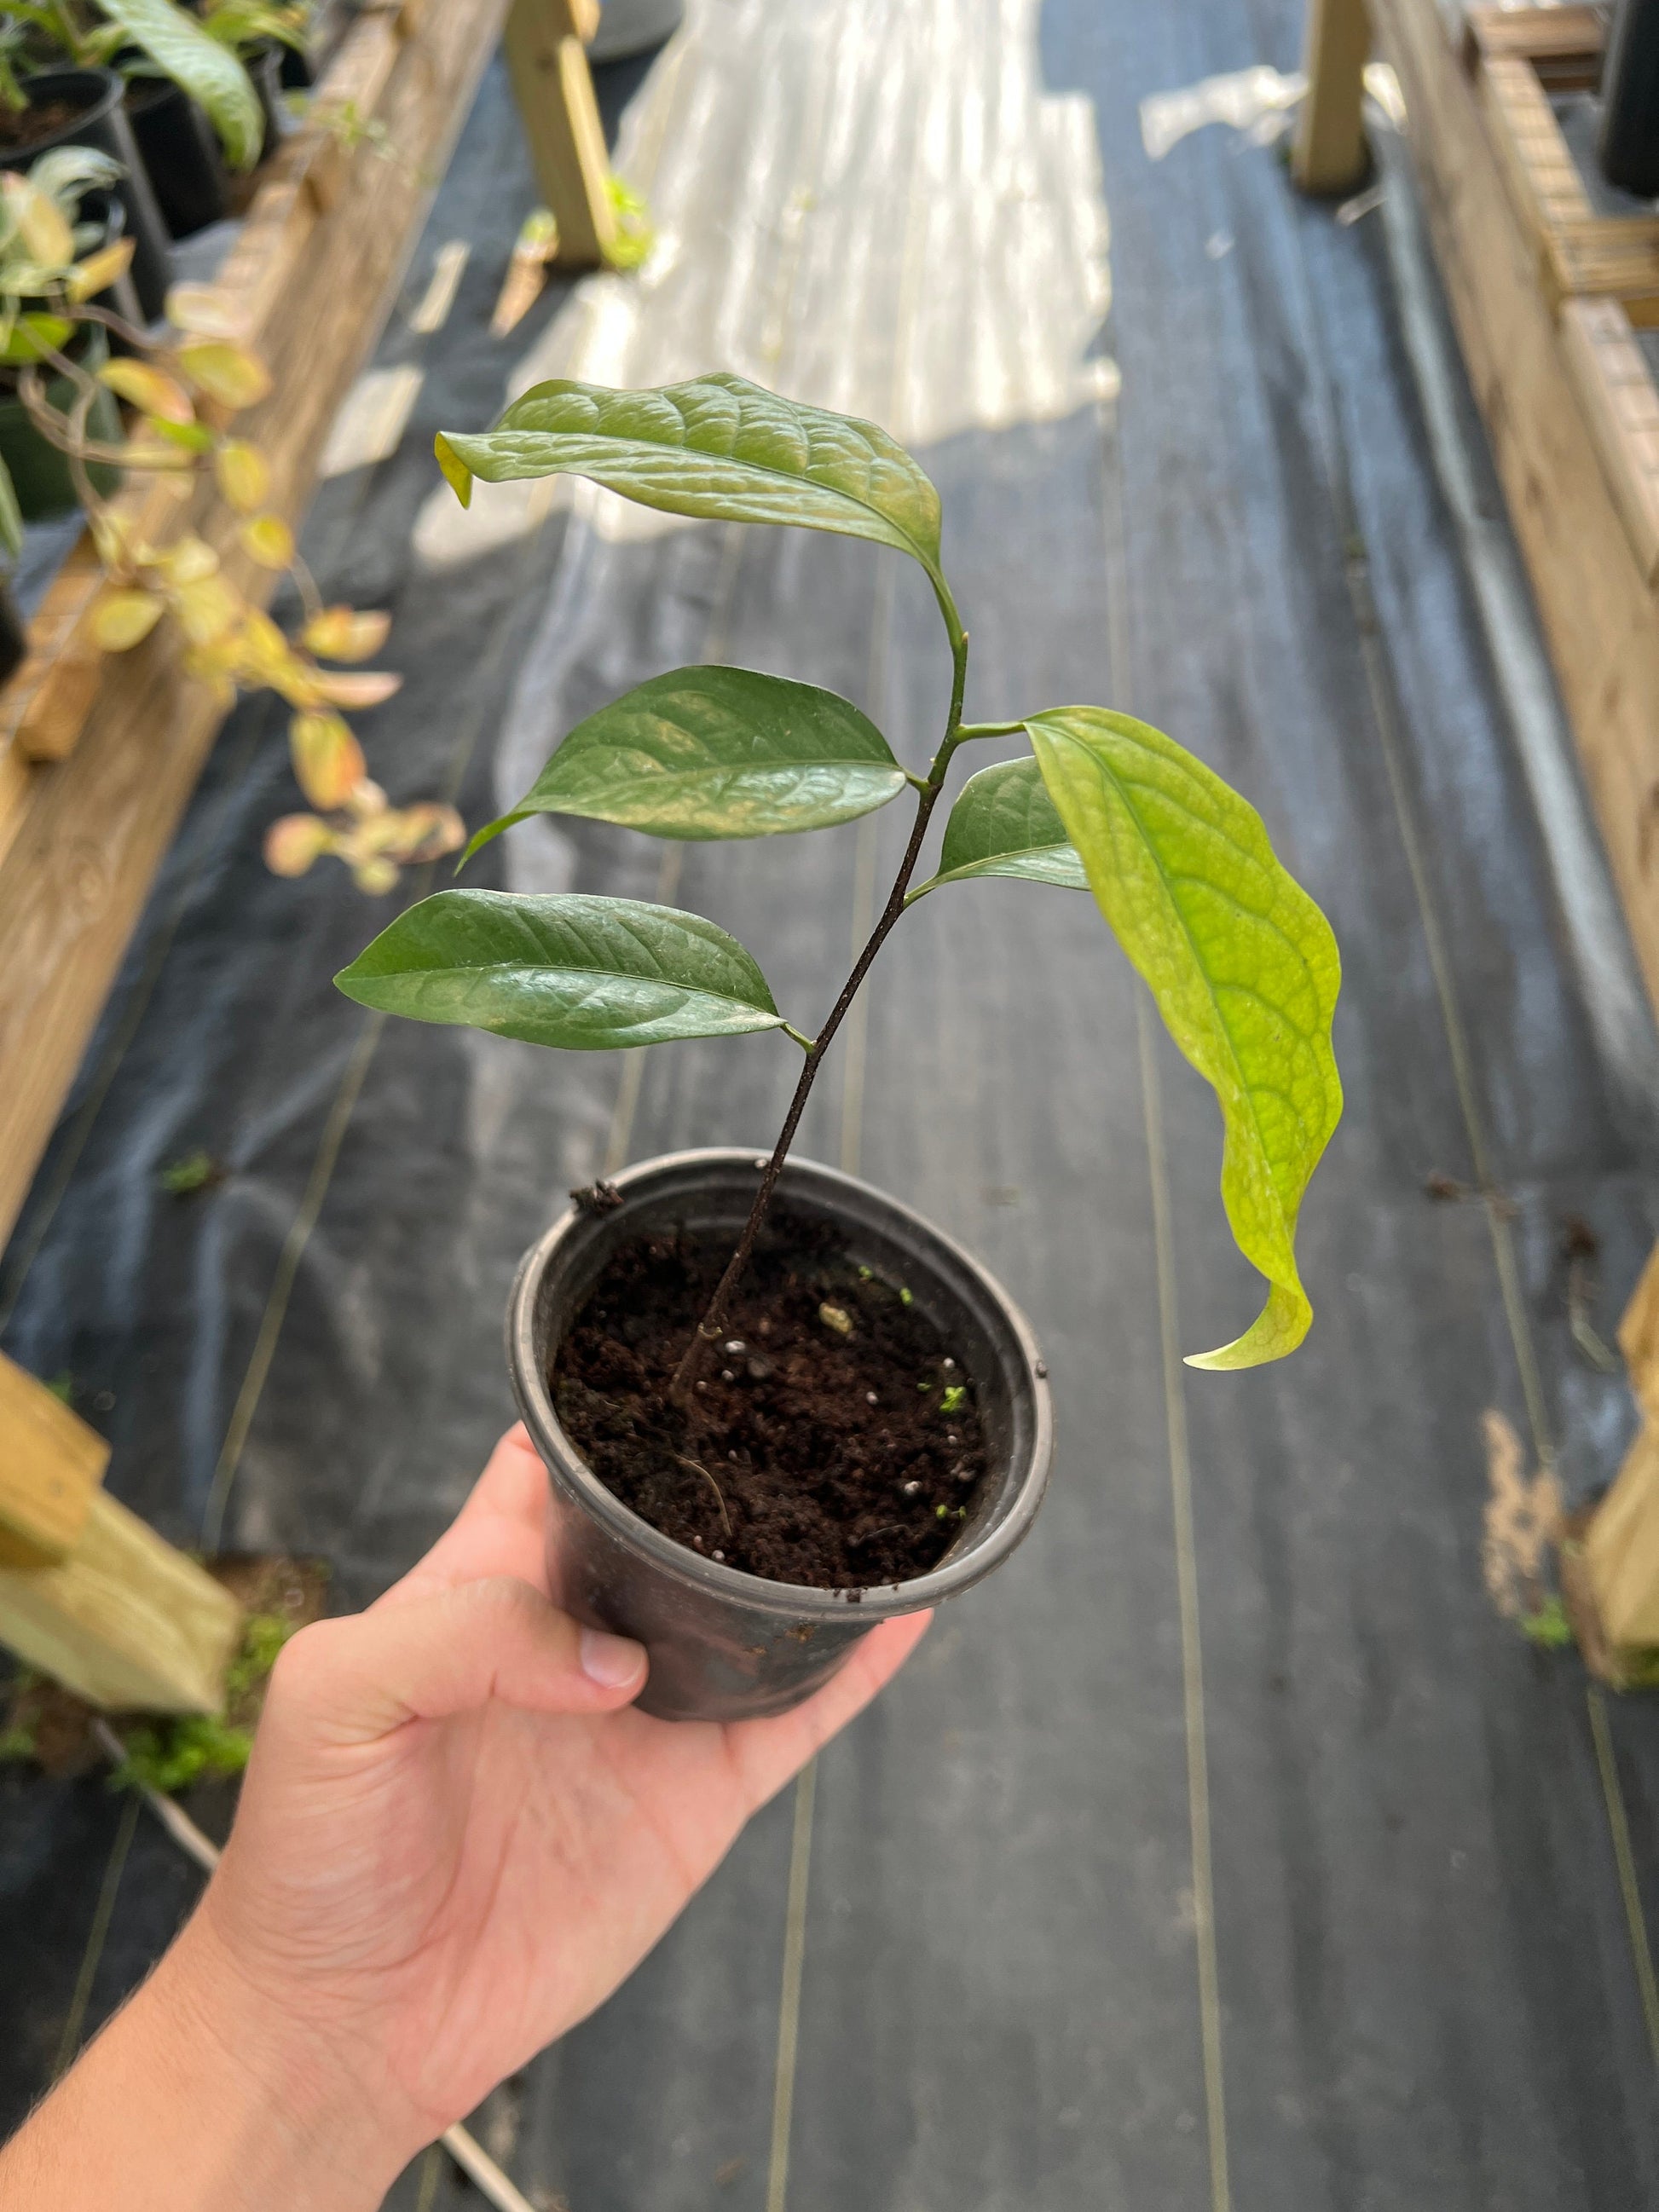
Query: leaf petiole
point(808, 1045)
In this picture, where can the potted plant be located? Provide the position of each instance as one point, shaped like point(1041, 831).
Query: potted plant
point(181, 88)
point(50, 266)
point(776, 1407)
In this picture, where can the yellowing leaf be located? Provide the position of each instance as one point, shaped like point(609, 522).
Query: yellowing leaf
point(267, 539)
point(206, 608)
point(1242, 963)
point(99, 271)
point(37, 220)
point(226, 372)
point(327, 759)
point(148, 389)
point(243, 474)
point(263, 652)
point(375, 877)
point(293, 844)
point(457, 474)
point(121, 618)
point(365, 687)
point(342, 633)
point(202, 311)
point(190, 437)
point(187, 558)
point(414, 833)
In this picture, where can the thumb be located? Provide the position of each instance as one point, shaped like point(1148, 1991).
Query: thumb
point(428, 1658)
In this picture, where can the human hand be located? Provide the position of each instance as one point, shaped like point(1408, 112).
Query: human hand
point(456, 1836)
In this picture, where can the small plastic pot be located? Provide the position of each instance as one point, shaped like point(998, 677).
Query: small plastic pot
point(182, 155)
point(1629, 140)
point(101, 122)
point(726, 1645)
point(39, 471)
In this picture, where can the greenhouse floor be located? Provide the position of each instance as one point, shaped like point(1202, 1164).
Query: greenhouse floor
point(1229, 1848)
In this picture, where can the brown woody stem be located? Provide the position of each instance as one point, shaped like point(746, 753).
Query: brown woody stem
point(709, 1328)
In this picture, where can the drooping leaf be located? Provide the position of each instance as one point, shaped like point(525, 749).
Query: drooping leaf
point(243, 475)
point(101, 269)
point(1242, 963)
point(716, 752)
point(209, 72)
point(328, 762)
point(122, 619)
point(1004, 823)
point(585, 972)
point(719, 447)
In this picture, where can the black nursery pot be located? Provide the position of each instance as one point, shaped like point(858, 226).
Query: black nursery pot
point(724, 1645)
point(180, 149)
point(13, 637)
point(101, 121)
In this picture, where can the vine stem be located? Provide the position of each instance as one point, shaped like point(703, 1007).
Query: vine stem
point(709, 1328)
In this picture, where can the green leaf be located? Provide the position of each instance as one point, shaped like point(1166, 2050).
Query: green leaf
point(199, 65)
point(585, 972)
point(721, 448)
point(11, 515)
point(32, 337)
point(1005, 824)
point(1242, 963)
point(716, 752)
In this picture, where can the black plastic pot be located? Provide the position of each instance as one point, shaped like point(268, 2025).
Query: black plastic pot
point(263, 64)
point(726, 1645)
point(1628, 144)
point(13, 638)
point(180, 150)
point(39, 471)
point(102, 123)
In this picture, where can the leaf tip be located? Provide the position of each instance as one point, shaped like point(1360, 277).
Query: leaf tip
point(457, 474)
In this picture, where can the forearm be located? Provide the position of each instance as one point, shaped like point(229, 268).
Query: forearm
point(195, 2099)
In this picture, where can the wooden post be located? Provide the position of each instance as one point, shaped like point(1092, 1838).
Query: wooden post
point(554, 89)
point(1329, 154)
point(88, 1593)
point(1621, 1544)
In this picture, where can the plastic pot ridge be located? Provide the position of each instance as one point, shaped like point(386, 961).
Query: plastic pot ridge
point(724, 1644)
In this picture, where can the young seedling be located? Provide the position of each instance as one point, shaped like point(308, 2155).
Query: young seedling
point(1240, 960)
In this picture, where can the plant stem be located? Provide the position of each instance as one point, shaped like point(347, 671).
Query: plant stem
point(708, 1329)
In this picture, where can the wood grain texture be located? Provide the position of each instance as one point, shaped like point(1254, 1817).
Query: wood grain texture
point(125, 1621)
point(1592, 592)
point(88, 832)
point(555, 91)
point(1329, 152)
point(1615, 390)
point(1564, 45)
point(50, 1471)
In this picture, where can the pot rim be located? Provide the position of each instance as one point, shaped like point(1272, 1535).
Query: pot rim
point(795, 1600)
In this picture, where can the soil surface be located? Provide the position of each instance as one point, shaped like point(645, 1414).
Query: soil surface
point(835, 1440)
point(27, 126)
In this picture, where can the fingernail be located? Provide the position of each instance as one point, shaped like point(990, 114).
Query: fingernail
point(609, 1661)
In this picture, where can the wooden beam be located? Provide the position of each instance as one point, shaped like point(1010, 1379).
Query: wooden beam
point(125, 1621)
point(1329, 154)
point(51, 1466)
point(554, 88)
point(1615, 390)
point(1620, 1548)
point(1591, 586)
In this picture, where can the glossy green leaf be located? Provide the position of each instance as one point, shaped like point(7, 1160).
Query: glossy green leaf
point(716, 752)
point(1004, 823)
point(1242, 963)
point(208, 71)
point(584, 972)
point(719, 447)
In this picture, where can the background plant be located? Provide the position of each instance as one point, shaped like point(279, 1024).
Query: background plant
point(186, 389)
point(1241, 962)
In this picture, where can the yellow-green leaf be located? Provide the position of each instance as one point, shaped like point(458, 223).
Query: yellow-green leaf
point(457, 474)
point(267, 539)
point(1242, 963)
point(101, 269)
point(121, 618)
point(204, 311)
point(345, 633)
point(295, 844)
point(243, 475)
point(226, 372)
point(148, 389)
point(328, 762)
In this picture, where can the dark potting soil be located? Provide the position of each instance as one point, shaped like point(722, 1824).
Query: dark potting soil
point(835, 1440)
point(27, 126)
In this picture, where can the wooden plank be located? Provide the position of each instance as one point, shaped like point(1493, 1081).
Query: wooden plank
point(125, 1621)
point(554, 89)
point(1329, 154)
point(1564, 45)
point(1615, 390)
point(1620, 1549)
point(50, 1471)
point(1542, 177)
point(85, 839)
point(1602, 256)
point(1593, 595)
